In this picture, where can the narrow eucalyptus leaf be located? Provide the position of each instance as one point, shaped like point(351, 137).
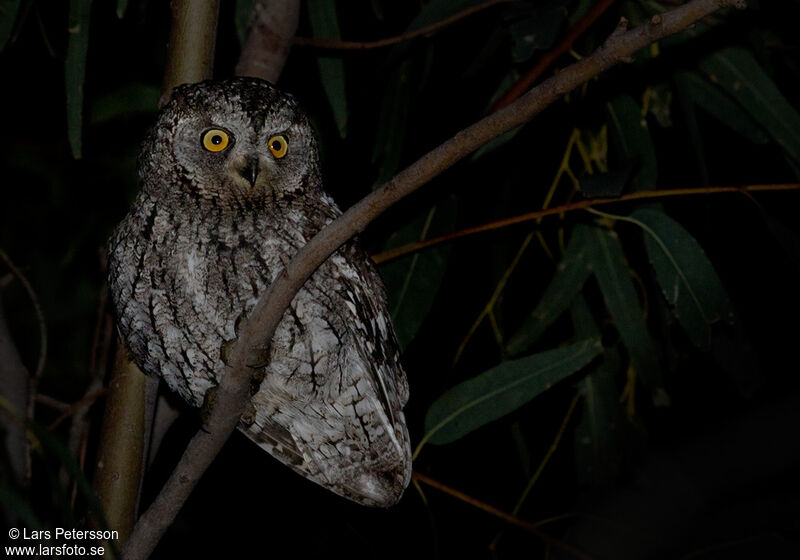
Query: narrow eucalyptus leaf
point(17, 507)
point(619, 294)
point(631, 141)
point(325, 25)
point(608, 184)
point(598, 433)
point(738, 73)
point(8, 16)
point(412, 282)
point(75, 70)
point(503, 389)
point(538, 31)
point(721, 106)
point(685, 274)
point(393, 122)
point(570, 276)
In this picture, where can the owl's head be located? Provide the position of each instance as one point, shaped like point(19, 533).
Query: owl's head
point(230, 140)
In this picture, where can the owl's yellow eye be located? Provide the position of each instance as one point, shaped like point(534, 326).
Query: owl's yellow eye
point(278, 146)
point(215, 140)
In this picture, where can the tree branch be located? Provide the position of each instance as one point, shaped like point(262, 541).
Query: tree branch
point(269, 39)
point(401, 251)
point(257, 330)
point(16, 385)
point(548, 58)
point(190, 58)
point(192, 39)
point(119, 459)
point(361, 45)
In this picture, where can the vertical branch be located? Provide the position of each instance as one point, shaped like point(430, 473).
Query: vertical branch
point(119, 460)
point(126, 423)
point(192, 39)
point(269, 39)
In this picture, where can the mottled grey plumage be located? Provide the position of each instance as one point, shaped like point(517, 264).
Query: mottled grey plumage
point(205, 237)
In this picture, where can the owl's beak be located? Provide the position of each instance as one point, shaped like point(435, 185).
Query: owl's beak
point(250, 171)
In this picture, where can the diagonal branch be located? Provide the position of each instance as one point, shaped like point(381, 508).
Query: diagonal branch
point(257, 330)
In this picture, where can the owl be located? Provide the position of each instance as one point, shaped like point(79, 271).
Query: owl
point(231, 189)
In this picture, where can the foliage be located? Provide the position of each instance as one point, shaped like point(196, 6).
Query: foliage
point(657, 312)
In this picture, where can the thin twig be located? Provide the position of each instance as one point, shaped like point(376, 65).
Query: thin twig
point(86, 401)
point(540, 469)
point(403, 250)
point(547, 59)
point(533, 527)
point(361, 45)
point(37, 308)
point(234, 389)
point(51, 402)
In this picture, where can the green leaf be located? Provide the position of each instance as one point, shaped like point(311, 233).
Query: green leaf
point(17, 507)
point(687, 103)
point(597, 436)
point(596, 439)
point(393, 122)
point(128, 100)
point(243, 11)
point(579, 10)
point(737, 72)
point(619, 294)
point(412, 282)
point(538, 31)
point(325, 25)
point(607, 184)
point(570, 276)
point(502, 389)
point(75, 70)
point(686, 276)
point(122, 7)
point(719, 105)
point(631, 141)
point(8, 16)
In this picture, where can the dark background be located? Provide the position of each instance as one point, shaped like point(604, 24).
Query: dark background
point(711, 476)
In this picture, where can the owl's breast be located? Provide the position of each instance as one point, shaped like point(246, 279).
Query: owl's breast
point(180, 281)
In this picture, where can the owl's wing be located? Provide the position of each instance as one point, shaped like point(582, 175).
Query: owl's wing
point(276, 440)
point(331, 403)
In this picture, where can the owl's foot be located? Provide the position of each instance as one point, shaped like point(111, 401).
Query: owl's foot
point(208, 403)
point(249, 414)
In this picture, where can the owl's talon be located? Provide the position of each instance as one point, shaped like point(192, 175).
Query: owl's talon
point(208, 404)
point(249, 415)
point(225, 351)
